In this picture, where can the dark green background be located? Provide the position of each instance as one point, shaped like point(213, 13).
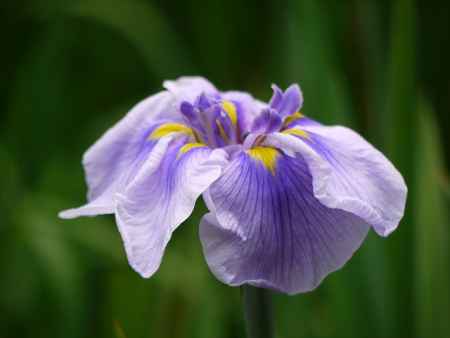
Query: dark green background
point(70, 69)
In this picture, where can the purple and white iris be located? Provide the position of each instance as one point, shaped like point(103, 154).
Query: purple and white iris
point(289, 200)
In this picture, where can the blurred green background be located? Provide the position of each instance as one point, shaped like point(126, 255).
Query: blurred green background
point(70, 69)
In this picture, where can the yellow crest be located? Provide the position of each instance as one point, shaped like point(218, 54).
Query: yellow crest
point(230, 109)
point(169, 128)
point(266, 155)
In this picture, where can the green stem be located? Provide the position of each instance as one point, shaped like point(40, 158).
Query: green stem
point(257, 312)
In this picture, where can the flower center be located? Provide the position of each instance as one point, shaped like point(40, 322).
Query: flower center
point(214, 121)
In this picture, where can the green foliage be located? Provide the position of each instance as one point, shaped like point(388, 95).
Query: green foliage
point(431, 214)
point(72, 68)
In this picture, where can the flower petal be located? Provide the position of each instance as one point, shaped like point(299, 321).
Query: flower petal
point(363, 180)
point(99, 206)
point(160, 197)
point(359, 178)
point(292, 101)
point(267, 122)
point(248, 108)
point(187, 88)
point(277, 97)
point(119, 152)
point(267, 229)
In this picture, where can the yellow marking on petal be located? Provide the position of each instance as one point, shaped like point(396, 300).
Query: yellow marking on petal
point(189, 146)
point(169, 128)
point(294, 117)
point(266, 155)
point(296, 132)
point(230, 109)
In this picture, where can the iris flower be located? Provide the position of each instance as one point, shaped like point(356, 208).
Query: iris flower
point(290, 200)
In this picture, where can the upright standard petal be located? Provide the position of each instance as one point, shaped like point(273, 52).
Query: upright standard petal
point(160, 197)
point(268, 229)
point(350, 174)
point(292, 101)
point(276, 98)
point(119, 152)
point(286, 103)
point(267, 122)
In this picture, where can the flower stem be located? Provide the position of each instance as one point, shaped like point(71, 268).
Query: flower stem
point(257, 304)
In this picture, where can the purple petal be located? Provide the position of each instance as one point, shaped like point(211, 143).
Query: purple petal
point(227, 126)
point(267, 122)
point(203, 102)
point(160, 198)
point(268, 230)
point(187, 109)
point(292, 101)
point(277, 97)
point(100, 206)
point(247, 107)
point(213, 135)
point(351, 175)
point(119, 151)
point(193, 118)
point(301, 122)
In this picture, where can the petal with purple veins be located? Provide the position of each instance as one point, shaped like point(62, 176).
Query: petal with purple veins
point(267, 229)
point(350, 174)
point(363, 180)
point(160, 197)
point(119, 152)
